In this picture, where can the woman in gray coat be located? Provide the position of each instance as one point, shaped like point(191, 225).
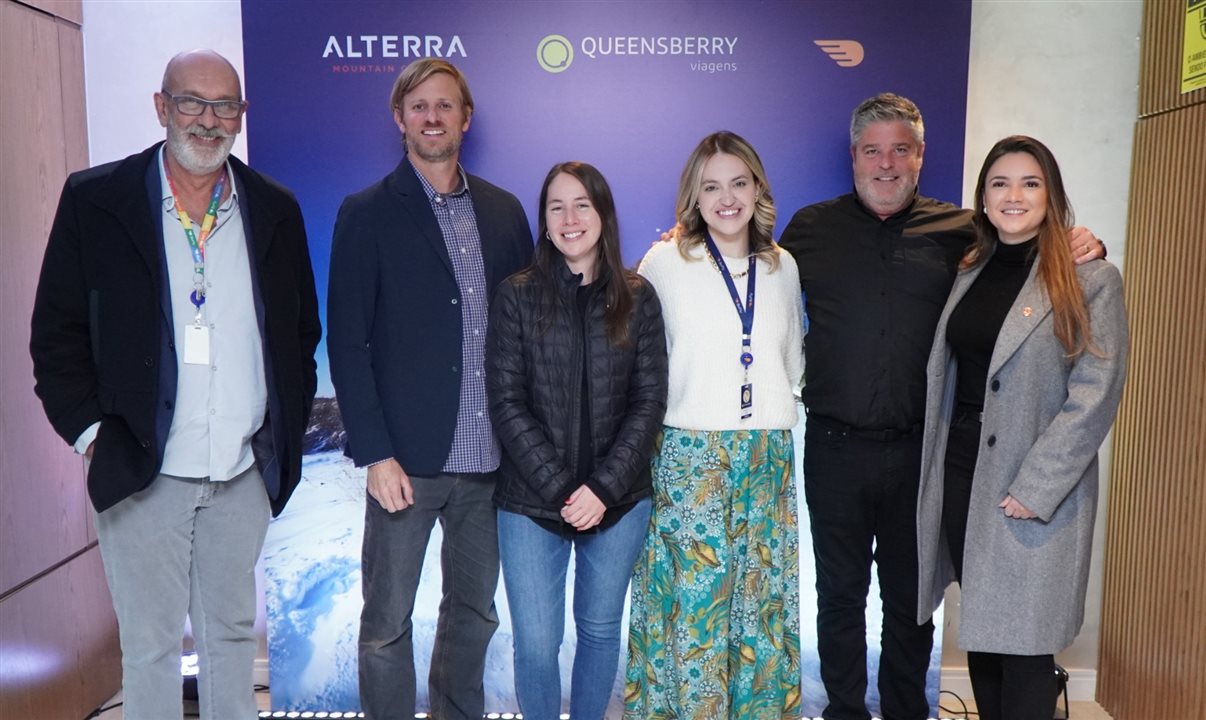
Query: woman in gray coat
point(1024, 381)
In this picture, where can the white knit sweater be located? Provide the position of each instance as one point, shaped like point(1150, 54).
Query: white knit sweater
point(703, 338)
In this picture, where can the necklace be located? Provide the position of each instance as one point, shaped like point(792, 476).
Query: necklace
point(734, 275)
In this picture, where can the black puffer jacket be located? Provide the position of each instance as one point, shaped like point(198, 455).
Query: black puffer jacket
point(534, 381)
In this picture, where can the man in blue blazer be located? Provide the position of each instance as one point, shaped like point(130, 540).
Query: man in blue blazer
point(414, 260)
point(173, 339)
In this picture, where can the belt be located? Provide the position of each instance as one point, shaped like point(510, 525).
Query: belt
point(884, 435)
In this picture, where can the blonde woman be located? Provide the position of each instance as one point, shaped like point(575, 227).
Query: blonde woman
point(714, 629)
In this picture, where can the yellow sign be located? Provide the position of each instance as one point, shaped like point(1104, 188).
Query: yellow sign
point(1193, 66)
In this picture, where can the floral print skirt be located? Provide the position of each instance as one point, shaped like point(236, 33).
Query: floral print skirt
point(714, 630)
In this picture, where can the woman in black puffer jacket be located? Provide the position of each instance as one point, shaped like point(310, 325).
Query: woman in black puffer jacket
point(576, 375)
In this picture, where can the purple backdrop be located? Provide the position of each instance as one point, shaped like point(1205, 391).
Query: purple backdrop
point(646, 81)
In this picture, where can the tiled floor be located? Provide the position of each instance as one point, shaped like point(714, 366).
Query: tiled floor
point(1086, 710)
point(262, 701)
point(951, 709)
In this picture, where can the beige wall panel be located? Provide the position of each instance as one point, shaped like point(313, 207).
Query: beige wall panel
point(75, 126)
point(43, 502)
point(74, 103)
point(70, 10)
point(59, 655)
point(1153, 658)
point(1160, 63)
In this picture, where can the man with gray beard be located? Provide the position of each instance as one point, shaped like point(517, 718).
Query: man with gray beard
point(173, 339)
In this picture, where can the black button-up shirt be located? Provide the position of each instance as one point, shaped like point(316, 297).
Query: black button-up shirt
point(874, 290)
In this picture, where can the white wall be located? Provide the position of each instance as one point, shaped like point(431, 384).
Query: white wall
point(127, 44)
point(1064, 71)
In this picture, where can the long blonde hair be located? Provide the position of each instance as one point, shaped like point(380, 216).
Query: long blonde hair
point(691, 226)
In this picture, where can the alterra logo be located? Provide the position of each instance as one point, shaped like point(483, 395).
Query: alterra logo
point(394, 46)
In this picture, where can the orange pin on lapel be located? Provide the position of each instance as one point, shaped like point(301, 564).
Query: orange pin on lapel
point(1026, 311)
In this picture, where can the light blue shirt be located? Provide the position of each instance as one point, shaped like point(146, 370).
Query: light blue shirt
point(222, 403)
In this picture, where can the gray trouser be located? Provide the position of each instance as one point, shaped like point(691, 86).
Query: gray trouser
point(392, 560)
point(186, 546)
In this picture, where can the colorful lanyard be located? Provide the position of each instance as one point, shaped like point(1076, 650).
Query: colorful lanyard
point(745, 312)
point(197, 244)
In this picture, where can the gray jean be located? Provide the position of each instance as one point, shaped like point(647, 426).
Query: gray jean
point(180, 547)
point(391, 563)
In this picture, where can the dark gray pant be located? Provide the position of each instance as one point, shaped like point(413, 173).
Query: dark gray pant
point(391, 563)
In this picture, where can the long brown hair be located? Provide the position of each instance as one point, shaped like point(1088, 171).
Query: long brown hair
point(1056, 270)
point(691, 226)
point(610, 276)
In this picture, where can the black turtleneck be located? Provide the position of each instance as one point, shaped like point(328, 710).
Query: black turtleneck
point(976, 321)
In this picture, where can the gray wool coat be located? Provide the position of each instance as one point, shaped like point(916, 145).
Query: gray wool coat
point(1045, 416)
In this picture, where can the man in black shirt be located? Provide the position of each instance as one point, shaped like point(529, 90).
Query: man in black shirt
point(875, 266)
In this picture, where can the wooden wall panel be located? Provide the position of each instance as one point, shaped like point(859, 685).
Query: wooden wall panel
point(74, 103)
point(70, 10)
point(1161, 57)
point(43, 504)
point(1153, 652)
point(58, 656)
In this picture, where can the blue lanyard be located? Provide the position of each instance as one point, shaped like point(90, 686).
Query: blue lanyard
point(746, 312)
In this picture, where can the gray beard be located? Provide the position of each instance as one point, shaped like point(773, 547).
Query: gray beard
point(191, 159)
point(900, 198)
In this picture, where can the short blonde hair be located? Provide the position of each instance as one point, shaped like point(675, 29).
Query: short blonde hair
point(417, 72)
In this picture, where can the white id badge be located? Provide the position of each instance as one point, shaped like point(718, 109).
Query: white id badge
point(196, 344)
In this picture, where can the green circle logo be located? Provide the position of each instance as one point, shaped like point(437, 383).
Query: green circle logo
point(555, 53)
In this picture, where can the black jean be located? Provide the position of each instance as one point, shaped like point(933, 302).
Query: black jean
point(391, 563)
point(862, 489)
point(1007, 687)
point(962, 449)
point(1013, 687)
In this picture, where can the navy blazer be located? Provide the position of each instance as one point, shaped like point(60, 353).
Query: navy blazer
point(101, 335)
point(394, 315)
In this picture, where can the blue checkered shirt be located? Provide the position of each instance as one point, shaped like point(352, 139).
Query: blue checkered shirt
point(474, 447)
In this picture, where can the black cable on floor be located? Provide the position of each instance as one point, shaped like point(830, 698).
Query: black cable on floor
point(967, 714)
point(1062, 678)
point(101, 711)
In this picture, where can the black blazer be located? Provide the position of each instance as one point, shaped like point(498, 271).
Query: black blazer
point(394, 315)
point(101, 335)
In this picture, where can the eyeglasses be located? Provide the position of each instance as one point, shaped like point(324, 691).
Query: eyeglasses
point(193, 106)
